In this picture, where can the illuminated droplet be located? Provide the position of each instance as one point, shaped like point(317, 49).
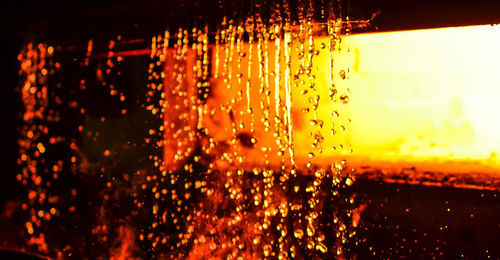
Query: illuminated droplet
point(342, 74)
point(344, 99)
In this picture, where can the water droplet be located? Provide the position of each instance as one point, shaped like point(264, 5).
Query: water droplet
point(342, 74)
point(344, 99)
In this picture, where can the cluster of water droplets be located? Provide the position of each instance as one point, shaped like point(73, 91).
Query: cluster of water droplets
point(225, 174)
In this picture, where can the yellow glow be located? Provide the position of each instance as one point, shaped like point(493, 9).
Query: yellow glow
point(424, 98)
point(427, 98)
point(227, 93)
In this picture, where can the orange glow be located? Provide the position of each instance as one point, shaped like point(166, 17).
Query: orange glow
point(426, 98)
point(423, 98)
point(125, 245)
point(398, 103)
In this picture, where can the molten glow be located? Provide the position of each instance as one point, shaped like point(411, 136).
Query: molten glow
point(423, 98)
point(426, 98)
point(244, 120)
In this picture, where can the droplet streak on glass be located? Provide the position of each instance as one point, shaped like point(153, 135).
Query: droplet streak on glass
point(236, 207)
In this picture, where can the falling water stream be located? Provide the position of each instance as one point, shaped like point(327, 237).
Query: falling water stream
point(233, 99)
point(219, 152)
